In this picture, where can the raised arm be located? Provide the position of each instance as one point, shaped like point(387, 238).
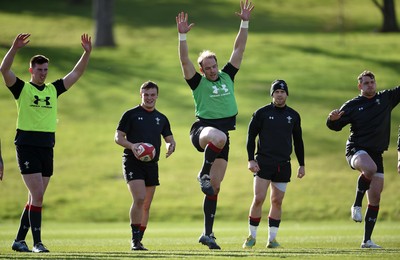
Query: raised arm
point(188, 68)
point(77, 71)
point(9, 77)
point(241, 39)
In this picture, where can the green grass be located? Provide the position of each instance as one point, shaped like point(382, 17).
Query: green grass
point(300, 240)
point(299, 41)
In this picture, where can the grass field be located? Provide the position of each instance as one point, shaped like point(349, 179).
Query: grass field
point(302, 42)
point(165, 240)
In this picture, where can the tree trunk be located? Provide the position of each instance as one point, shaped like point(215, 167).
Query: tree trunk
point(389, 16)
point(103, 14)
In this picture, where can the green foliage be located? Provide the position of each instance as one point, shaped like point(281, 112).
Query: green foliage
point(300, 41)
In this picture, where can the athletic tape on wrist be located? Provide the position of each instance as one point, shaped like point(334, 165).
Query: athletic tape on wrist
point(182, 36)
point(244, 24)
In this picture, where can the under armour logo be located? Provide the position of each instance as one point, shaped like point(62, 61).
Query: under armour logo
point(158, 120)
point(208, 162)
point(36, 228)
point(215, 89)
point(140, 118)
point(37, 100)
point(378, 101)
point(271, 117)
point(26, 165)
point(372, 219)
point(223, 87)
point(360, 108)
point(130, 174)
point(289, 118)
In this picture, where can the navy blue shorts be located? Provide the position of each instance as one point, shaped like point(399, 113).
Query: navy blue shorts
point(275, 172)
point(195, 131)
point(136, 170)
point(375, 156)
point(34, 159)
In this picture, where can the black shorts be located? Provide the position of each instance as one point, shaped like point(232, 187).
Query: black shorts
point(375, 156)
point(195, 131)
point(275, 172)
point(34, 159)
point(136, 170)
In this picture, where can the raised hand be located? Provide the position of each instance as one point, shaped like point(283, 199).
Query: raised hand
point(245, 10)
point(21, 40)
point(86, 42)
point(182, 23)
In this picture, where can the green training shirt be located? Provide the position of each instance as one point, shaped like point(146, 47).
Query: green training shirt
point(37, 109)
point(215, 99)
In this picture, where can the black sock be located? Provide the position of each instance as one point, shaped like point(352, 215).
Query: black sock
point(370, 219)
point(135, 231)
point(23, 225)
point(362, 186)
point(35, 219)
point(254, 221)
point(209, 207)
point(210, 153)
point(273, 222)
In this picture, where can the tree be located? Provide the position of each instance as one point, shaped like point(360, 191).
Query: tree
point(389, 15)
point(103, 13)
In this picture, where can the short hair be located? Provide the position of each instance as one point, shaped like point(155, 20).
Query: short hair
point(365, 73)
point(38, 59)
point(149, 85)
point(204, 55)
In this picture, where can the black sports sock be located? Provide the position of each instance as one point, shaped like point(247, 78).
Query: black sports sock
point(370, 219)
point(273, 222)
point(254, 221)
point(210, 153)
point(24, 224)
point(35, 219)
point(363, 184)
point(209, 208)
point(135, 231)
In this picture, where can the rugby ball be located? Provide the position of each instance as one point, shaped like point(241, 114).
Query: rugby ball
point(145, 152)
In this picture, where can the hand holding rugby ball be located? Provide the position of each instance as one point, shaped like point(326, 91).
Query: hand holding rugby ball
point(145, 152)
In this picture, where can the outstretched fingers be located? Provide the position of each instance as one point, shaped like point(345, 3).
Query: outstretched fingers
point(21, 40)
point(86, 42)
point(245, 10)
point(182, 23)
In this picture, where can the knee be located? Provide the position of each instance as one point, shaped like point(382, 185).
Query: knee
point(277, 203)
point(258, 201)
point(370, 170)
point(219, 139)
point(138, 201)
point(37, 199)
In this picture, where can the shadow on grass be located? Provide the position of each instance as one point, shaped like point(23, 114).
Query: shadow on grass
point(316, 253)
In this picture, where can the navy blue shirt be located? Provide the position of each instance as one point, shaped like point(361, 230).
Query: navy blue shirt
point(369, 119)
point(275, 127)
point(142, 126)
